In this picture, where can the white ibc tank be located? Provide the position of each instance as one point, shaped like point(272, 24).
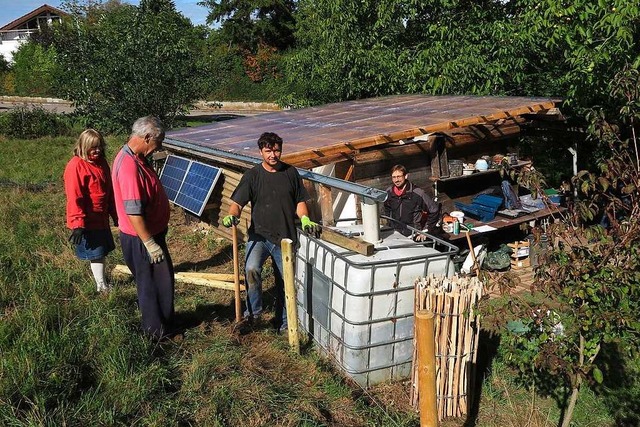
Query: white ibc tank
point(359, 309)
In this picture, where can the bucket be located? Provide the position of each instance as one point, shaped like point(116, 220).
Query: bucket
point(459, 215)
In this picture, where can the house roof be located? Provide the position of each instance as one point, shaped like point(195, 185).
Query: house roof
point(322, 135)
point(36, 12)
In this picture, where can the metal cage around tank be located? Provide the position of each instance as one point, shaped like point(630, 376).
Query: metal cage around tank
point(359, 309)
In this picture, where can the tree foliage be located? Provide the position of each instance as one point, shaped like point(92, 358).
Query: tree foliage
point(35, 70)
point(346, 50)
point(131, 61)
point(245, 24)
point(520, 47)
point(586, 292)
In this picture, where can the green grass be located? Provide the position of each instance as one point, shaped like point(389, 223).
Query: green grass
point(71, 357)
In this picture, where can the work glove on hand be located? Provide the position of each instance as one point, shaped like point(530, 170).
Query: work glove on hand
point(310, 227)
point(76, 235)
point(230, 220)
point(156, 254)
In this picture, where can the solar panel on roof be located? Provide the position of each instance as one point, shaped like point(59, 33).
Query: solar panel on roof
point(188, 183)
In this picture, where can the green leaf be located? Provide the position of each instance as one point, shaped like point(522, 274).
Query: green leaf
point(517, 327)
point(597, 375)
point(604, 183)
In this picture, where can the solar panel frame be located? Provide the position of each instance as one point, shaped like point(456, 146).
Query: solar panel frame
point(189, 183)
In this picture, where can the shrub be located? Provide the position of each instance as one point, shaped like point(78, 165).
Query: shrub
point(34, 122)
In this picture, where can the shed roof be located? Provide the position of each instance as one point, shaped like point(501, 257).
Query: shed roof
point(322, 133)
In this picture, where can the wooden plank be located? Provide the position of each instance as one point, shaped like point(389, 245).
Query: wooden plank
point(352, 243)
point(191, 278)
point(208, 158)
point(225, 277)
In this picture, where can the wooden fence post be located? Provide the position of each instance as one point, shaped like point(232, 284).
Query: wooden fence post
point(290, 294)
point(425, 340)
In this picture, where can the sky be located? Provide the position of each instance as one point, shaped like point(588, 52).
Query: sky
point(13, 9)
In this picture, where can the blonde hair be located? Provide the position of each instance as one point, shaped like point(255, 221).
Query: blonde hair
point(87, 140)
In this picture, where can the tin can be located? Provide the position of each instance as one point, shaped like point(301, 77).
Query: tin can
point(456, 227)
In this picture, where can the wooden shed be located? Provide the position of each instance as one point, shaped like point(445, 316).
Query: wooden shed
point(359, 141)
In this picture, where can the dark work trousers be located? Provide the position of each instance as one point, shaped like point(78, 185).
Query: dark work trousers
point(155, 284)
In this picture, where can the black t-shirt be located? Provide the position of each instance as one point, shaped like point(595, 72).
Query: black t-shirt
point(274, 197)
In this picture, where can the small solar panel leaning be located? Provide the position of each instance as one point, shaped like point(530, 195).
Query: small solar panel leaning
point(188, 183)
point(173, 173)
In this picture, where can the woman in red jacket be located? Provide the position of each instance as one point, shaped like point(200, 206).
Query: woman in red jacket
point(87, 184)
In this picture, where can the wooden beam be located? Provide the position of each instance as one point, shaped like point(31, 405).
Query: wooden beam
point(454, 140)
point(352, 243)
point(348, 176)
point(326, 205)
point(203, 279)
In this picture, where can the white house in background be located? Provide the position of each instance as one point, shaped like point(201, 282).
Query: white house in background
point(17, 31)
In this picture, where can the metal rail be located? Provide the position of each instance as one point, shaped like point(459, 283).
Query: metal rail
point(369, 193)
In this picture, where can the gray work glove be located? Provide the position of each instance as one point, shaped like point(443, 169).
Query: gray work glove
point(156, 254)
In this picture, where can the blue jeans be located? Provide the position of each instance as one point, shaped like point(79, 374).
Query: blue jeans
point(257, 252)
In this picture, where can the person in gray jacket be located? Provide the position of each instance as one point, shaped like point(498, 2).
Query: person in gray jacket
point(409, 205)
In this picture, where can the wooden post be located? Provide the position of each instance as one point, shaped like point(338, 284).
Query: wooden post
point(236, 272)
point(290, 294)
point(425, 340)
point(326, 205)
point(473, 254)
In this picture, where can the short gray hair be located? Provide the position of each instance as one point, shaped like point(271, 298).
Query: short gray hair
point(148, 125)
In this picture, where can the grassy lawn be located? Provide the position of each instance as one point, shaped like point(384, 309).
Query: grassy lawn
point(69, 356)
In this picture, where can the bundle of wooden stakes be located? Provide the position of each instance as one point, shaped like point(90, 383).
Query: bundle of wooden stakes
point(453, 301)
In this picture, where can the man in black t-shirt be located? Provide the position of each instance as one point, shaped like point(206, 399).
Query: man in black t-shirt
point(277, 196)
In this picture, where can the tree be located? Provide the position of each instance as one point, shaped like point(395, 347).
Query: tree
point(131, 61)
point(246, 24)
point(345, 50)
point(35, 70)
